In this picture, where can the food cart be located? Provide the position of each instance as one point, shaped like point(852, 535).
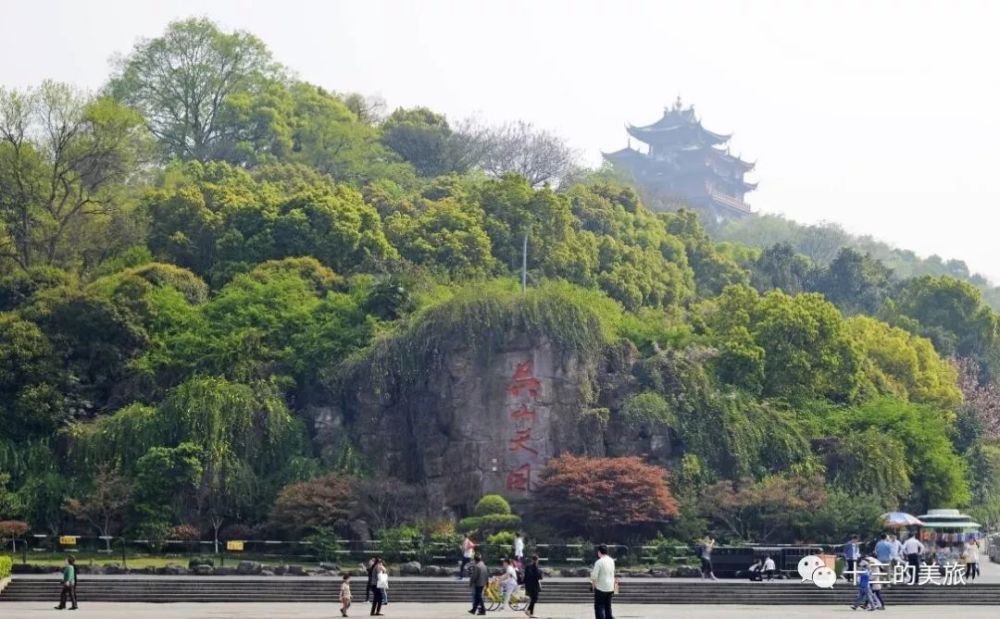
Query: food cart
point(945, 532)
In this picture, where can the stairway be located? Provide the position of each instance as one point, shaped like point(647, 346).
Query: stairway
point(432, 590)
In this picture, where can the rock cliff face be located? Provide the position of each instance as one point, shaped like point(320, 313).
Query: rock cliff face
point(473, 422)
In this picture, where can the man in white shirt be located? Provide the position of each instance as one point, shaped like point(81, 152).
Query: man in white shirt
point(602, 578)
point(897, 550)
point(769, 568)
point(913, 549)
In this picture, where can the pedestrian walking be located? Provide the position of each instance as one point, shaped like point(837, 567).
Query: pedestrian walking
point(851, 554)
point(971, 559)
point(532, 584)
point(865, 598)
point(373, 589)
point(381, 586)
point(68, 585)
point(478, 578)
point(468, 548)
point(372, 578)
point(345, 595)
point(602, 579)
point(913, 550)
point(705, 549)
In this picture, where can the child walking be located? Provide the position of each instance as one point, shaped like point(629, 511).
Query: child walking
point(345, 595)
point(865, 596)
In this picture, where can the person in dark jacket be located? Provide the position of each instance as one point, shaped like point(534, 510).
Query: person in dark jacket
point(478, 577)
point(371, 588)
point(532, 584)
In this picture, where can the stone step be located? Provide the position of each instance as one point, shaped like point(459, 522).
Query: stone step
point(325, 590)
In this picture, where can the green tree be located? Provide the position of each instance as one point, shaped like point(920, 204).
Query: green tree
point(855, 282)
point(94, 341)
point(763, 511)
point(444, 235)
point(182, 80)
point(63, 155)
point(713, 269)
point(779, 268)
point(31, 383)
point(793, 346)
point(165, 482)
point(871, 463)
point(904, 365)
point(952, 314)
point(425, 140)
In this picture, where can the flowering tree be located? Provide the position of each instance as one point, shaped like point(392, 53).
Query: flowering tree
point(603, 496)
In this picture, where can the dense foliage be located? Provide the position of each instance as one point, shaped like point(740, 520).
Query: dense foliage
point(196, 260)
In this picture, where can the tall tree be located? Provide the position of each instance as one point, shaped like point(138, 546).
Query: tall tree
point(181, 82)
point(61, 155)
point(520, 148)
point(104, 506)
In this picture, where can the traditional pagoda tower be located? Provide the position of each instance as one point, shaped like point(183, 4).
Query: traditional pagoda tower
point(687, 162)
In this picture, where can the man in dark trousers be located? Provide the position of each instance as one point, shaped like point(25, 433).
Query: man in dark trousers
point(370, 588)
point(602, 579)
point(478, 578)
point(68, 584)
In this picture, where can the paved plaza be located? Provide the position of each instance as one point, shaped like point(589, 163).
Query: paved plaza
point(17, 610)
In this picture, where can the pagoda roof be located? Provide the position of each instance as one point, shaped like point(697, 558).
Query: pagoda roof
point(678, 124)
point(625, 155)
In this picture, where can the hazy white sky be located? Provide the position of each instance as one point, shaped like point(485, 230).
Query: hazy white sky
point(880, 116)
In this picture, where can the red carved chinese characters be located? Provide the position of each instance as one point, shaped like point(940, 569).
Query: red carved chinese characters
point(520, 441)
point(519, 478)
point(523, 413)
point(524, 380)
point(523, 446)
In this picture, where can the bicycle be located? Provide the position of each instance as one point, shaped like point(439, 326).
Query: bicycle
point(493, 595)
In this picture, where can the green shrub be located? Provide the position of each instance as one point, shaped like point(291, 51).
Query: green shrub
point(491, 504)
point(6, 564)
point(502, 537)
point(400, 543)
point(486, 525)
point(664, 549)
point(324, 544)
point(650, 407)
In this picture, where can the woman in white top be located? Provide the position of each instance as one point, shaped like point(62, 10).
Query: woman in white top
point(971, 559)
point(519, 550)
point(508, 581)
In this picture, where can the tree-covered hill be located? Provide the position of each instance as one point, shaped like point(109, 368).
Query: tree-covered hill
point(217, 281)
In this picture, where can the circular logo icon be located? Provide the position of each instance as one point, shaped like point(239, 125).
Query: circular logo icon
point(808, 565)
point(824, 577)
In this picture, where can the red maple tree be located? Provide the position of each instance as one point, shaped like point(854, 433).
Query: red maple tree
point(603, 496)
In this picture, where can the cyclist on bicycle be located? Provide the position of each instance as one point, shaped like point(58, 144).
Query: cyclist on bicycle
point(508, 582)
